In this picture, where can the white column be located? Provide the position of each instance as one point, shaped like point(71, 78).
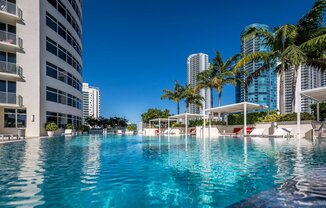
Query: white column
point(210, 124)
point(168, 126)
point(245, 118)
point(318, 113)
point(204, 114)
point(186, 124)
point(298, 102)
point(159, 126)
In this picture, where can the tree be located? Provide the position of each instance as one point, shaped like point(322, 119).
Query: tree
point(322, 110)
point(154, 113)
point(292, 46)
point(176, 95)
point(192, 96)
point(117, 122)
point(218, 75)
point(93, 122)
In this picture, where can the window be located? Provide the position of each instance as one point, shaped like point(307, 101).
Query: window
point(61, 9)
point(51, 47)
point(51, 72)
point(10, 118)
point(62, 31)
point(62, 53)
point(21, 118)
point(53, 2)
point(61, 97)
point(51, 94)
point(14, 118)
point(51, 22)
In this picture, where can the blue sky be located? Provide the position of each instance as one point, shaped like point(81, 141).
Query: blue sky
point(135, 49)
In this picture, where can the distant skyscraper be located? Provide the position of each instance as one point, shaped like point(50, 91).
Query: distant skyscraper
point(197, 63)
point(310, 78)
point(263, 89)
point(91, 102)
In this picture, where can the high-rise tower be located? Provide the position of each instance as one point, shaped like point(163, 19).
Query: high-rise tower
point(40, 64)
point(263, 89)
point(197, 63)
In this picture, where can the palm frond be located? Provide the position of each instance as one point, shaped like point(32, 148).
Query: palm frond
point(257, 56)
point(317, 42)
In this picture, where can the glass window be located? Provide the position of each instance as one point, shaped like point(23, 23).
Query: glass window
point(62, 30)
point(51, 96)
point(62, 53)
point(3, 27)
point(12, 58)
point(61, 9)
point(69, 79)
point(53, 2)
point(21, 118)
point(12, 87)
point(10, 118)
point(3, 56)
point(51, 72)
point(12, 29)
point(50, 21)
point(51, 48)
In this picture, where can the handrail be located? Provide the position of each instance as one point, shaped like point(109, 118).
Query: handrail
point(11, 68)
point(11, 38)
point(8, 7)
point(320, 130)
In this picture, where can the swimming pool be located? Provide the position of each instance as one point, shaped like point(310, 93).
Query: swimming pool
point(136, 171)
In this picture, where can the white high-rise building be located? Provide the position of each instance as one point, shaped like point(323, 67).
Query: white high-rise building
point(40, 64)
point(197, 63)
point(91, 102)
point(310, 78)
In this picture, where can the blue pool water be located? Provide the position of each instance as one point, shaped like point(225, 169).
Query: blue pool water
point(135, 171)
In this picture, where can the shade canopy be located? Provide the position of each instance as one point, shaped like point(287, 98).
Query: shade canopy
point(160, 120)
point(186, 115)
point(317, 94)
point(236, 108)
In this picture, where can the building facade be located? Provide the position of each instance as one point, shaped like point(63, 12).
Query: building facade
point(263, 88)
point(40, 64)
point(197, 63)
point(310, 78)
point(91, 102)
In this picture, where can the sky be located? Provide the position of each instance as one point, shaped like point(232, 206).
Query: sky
point(132, 50)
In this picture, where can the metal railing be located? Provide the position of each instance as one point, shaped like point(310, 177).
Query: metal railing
point(10, 68)
point(8, 7)
point(11, 98)
point(11, 38)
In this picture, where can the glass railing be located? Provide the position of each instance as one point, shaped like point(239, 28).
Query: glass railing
point(11, 38)
point(10, 98)
point(9, 7)
point(10, 68)
point(8, 37)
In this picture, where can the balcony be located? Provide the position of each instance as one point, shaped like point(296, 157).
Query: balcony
point(8, 99)
point(9, 12)
point(11, 71)
point(10, 41)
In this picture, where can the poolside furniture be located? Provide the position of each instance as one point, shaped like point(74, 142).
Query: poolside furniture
point(166, 132)
point(119, 131)
point(175, 132)
point(281, 133)
point(192, 132)
point(257, 132)
point(68, 132)
point(9, 136)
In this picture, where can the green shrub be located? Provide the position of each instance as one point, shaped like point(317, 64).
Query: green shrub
point(176, 125)
point(69, 126)
point(273, 117)
point(293, 117)
point(51, 126)
point(322, 110)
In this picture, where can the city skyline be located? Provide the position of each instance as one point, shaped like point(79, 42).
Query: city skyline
point(147, 46)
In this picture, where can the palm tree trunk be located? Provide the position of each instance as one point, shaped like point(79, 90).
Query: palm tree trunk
point(219, 99)
point(294, 86)
point(178, 107)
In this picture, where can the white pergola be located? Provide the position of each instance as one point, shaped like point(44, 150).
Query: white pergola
point(185, 117)
point(317, 94)
point(238, 108)
point(160, 121)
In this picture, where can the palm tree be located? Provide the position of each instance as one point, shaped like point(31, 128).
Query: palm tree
point(192, 96)
point(218, 75)
point(292, 46)
point(176, 95)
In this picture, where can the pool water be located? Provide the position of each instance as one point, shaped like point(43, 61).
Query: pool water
point(136, 171)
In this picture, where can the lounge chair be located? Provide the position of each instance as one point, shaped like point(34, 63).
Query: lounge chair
point(281, 132)
point(175, 132)
point(68, 132)
point(167, 131)
point(257, 132)
point(119, 131)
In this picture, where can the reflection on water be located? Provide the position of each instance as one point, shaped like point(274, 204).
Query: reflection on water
point(160, 171)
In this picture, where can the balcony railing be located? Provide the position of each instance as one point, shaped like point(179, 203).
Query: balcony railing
point(11, 68)
point(11, 98)
point(8, 7)
point(10, 38)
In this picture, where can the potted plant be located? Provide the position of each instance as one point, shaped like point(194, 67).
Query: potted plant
point(69, 126)
point(51, 127)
